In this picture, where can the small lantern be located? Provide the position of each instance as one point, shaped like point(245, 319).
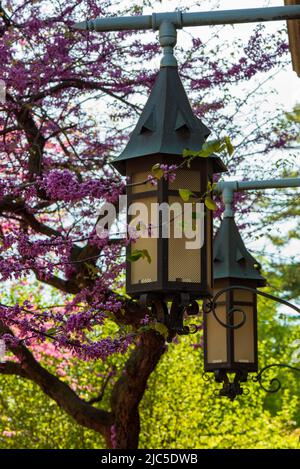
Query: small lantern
point(230, 334)
point(166, 127)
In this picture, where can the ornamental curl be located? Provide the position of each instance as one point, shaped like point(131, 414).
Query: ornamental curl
point(274, 383)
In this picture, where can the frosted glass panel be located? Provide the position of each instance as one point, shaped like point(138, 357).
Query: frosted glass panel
point(141, 270)
point(184, 264)
point(216, 337)
point(242, 295)
point(243, 337)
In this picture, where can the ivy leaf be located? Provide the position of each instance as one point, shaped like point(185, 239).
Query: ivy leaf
point(193, 154)
point(146, 255)
point(134, 256)
point(156, 171)
point(214, 146)
point(139, 254)
point(211, 186)
point(229, 146)
point(185, 194)
point(209, 148)
point(210, 203)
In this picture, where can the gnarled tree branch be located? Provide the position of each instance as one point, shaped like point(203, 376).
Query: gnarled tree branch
point(82, 412)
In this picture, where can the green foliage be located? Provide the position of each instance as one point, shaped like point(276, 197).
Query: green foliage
point(295, 115)
point(210, 203)
point(139, 254)
point(156, 171)
point(196, 418)
point(186, 194)
point(179, 409)
point(210, 147)
point(29, 419)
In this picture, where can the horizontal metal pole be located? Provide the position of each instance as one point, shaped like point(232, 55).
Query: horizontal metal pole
point(235, 186)
point(250, 15)
point(227, 189)
point(201, 18)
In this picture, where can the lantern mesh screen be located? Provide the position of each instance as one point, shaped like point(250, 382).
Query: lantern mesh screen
point(137, 178)
point(183, 264)
point(186, 179)
point(217, 335)
point(141, 270)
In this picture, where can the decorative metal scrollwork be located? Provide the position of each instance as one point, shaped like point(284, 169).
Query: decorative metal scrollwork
point(210, 305)
point(274, 383)
point(173, 318)
point(231, 389)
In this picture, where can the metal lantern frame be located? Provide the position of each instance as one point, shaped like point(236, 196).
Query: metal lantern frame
point(167, 126)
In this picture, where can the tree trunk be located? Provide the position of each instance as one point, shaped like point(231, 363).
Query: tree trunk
point(130, 388)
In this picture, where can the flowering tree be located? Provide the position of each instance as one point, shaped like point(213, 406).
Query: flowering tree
point(55, 174)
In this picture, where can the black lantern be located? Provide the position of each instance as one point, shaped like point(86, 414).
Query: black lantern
point(230, 328)
point(166, 127)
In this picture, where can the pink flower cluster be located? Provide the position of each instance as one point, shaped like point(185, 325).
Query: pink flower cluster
point(63, 184)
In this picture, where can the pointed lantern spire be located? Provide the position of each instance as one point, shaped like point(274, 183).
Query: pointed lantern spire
point(231, 258)
point(167, 124)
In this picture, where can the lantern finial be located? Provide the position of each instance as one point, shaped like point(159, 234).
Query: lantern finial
point(167, 40)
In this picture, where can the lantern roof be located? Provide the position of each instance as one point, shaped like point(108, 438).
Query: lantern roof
point(231, 258)
point(167, 124)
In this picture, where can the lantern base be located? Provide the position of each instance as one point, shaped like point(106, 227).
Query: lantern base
point(172, 317)
point(231, 389)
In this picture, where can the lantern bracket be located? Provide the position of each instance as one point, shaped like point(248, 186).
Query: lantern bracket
point(173, 317)
point(231, 389)
point(275, 383)
point(212, 303)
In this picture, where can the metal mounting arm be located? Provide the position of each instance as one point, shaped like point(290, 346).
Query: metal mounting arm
point(168, 23)
point(181, 19)
point(227, 189)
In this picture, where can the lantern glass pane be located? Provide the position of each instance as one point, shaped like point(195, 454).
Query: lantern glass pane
point(138, 178)
point(216, 338)
point(244, 337)
point(184, 264)
point(208, 244)
point(242, 295)
point(141, 270)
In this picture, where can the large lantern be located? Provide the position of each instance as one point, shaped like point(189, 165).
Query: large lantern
point(166, 127)
point(230, 330)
